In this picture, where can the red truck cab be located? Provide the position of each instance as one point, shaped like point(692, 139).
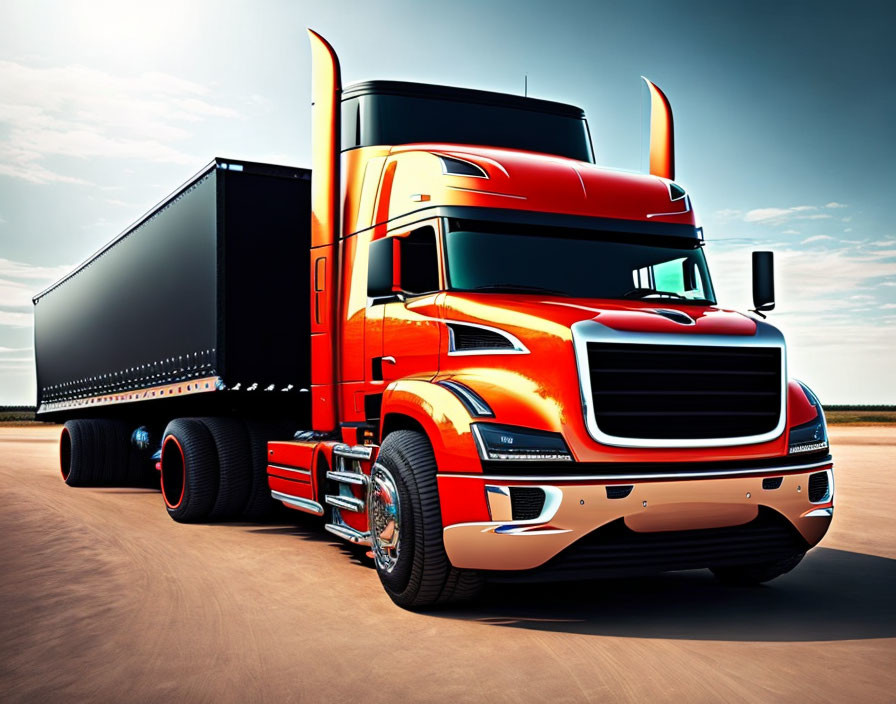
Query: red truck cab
point(519, 366)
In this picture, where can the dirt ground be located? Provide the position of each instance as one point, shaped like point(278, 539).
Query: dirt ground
point(104, 598)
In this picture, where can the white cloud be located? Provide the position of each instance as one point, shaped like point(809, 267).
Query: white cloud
point(778, 216)
point(15, 319)
point(816, 238)
point(22, 270)
point(763, 214)
point(74, 111)
point(888, 306)
point(19, 282)
point(790, 232)
point(726, 213)
point(834, 204)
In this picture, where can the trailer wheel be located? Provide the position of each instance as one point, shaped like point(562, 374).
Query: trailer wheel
point(113, 452)
point(260, 504)
point(77, 455)
point(752, 575)
point(234, 467)
point(189, 470)
point(406, 527)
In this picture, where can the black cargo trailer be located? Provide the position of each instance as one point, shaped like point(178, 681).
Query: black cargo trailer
point(200, 307)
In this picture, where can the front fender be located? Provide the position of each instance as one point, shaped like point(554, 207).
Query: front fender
point(443, 418)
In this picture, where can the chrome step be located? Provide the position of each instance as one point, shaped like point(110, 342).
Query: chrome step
point(306, 505)
point(354, 452)
point(348, 478)
point(349, 503)
point(349, 534)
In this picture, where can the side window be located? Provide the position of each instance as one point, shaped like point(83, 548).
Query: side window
point(669, 276)
point(419, 261)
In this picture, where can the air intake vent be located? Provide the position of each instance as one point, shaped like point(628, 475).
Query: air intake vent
point(461, 167)
point(684, 392)
point(676, 316)
point(468, 338)
point(771, 483)
point(818, 487)
point(619, 491)
point(526, 502)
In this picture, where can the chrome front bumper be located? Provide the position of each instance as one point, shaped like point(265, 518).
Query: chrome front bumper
point(575, 507)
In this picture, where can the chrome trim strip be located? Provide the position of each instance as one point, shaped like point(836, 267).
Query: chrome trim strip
point(586, 331)
point(349, 534)
point(518, 347)
point(480, 408)
point(298, 502)
point(821, 512)
point(793, 469)
point(297, 470)
point(486, 193)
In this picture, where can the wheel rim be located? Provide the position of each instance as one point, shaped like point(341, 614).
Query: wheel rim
point(65, 453)
point(174, 473)
point(385, 515)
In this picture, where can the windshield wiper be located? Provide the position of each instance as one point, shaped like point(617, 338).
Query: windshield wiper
point(519, 288)
point(645, 292)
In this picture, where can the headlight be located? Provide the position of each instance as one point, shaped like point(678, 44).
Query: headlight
point(811, 436)
point(506, 442)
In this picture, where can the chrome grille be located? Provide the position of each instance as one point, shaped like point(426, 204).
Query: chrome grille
point(684, 391)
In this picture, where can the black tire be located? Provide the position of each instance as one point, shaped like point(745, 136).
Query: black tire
point(113, 450)
point(77, 453)
point(752, 575)
point(189, 470)
point(234, 467)
point(421, 577)
point(259, 505)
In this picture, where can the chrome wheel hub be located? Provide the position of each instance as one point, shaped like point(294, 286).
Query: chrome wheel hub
point(384, 513)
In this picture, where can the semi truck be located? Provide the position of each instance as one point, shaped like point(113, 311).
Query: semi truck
point(467, 348)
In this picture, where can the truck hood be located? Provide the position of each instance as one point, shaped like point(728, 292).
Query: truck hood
point(522, 313)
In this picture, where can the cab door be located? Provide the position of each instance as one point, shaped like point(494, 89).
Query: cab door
point(411, 327)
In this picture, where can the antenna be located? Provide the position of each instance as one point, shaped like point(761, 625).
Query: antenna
point(526, 85)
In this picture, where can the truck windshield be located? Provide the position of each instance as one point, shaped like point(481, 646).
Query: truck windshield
point(623, 267)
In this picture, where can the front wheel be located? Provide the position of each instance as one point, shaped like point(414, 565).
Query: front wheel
point(406, 527)
point(751, 575)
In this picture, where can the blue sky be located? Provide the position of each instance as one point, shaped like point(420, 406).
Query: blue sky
point(784, 117)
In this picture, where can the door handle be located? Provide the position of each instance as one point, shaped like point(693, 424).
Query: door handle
point(388, 360)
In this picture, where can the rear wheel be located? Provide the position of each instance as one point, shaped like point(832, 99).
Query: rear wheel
point(751, 575)
point(234, 466)
point(189, 470)
point(406, 527)
point(77, 454)
point(259, 504)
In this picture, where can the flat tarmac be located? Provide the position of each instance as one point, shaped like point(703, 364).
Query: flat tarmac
point(104, 598)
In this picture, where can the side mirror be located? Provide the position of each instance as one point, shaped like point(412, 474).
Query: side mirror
point(763, 282)
point(383, 268)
